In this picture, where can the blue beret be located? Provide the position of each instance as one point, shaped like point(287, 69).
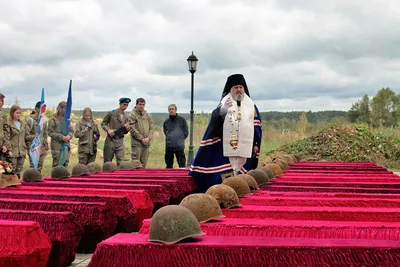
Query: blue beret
point(124, 100)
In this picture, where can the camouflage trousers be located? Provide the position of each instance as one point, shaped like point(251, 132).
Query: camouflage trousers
point(114, 147)
point(18, 164)
point(141, 153)
point(55, 153)
point(86, 158)
point(41, 160)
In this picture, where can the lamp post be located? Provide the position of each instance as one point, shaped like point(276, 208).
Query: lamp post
point(192, 62)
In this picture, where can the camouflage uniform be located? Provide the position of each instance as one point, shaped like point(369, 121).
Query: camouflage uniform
point(87, 144)
point(31, 126)
point(18, 147)
point(54, 128)
point(114, 145)
point(4, 134)
point(143, 127)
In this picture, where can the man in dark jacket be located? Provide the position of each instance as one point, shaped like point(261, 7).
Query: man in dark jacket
point(176, 131)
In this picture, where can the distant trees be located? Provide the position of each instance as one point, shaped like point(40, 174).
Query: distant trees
point(383, 110)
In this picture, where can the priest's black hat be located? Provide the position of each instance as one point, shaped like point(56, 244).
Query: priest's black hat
point(235, 79)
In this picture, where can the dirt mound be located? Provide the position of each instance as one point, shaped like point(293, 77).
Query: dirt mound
point(346, 143)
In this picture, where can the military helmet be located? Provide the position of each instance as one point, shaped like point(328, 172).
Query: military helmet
point(251, 182)
point(239, 185)
point(126, 165)
point(173, 223)
point(60, 172)
point(109, 166)
point(94, 167)
point(289, 158)
point(80, 170)
point(203, 206)
point(268, 171)
point(259, 175)
point(136, 164)
point(282, 163)
point(32, 175)
point(225, 196)
point(274, 168)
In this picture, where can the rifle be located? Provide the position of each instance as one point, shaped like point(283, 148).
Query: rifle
point(121, 131)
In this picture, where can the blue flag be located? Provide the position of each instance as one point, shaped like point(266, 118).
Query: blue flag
point(66, 124)
point(36, 145)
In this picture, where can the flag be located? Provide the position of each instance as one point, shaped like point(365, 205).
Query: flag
point(36, 145)
point(64, 154)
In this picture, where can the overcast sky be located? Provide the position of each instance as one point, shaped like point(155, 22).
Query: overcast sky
point(294, 54)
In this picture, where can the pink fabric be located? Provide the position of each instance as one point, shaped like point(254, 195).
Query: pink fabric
point(135, 250)
point(96, 218)
point(158, 193)
point(314, 213)
point(336, 183)
point(23, 244)
point(319, 202)
point(120, 206)
point(298, 229)
point(271, 187)
point(140, 198)
point(61, 227)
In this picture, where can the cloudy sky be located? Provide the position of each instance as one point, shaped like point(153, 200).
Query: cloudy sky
point(295, 55)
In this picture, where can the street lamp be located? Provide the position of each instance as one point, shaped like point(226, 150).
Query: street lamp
point(192, 62)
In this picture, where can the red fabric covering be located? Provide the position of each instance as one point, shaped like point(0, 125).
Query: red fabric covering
point(135, 250)
point(336, 183)
point(158, 193)
point(320, 202)
point(61, 227)
point(23, 244)
point(314, 213)
point(140, 198)
point(120, 206)
point(263, 193)
point(96, 218)
point(174, 187)
point(298, 229)
point(271, 187)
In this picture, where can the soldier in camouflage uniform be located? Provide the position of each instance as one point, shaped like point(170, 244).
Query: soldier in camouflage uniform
point(4, 132)
point(87, 132)
point(17, 139)
point(31, 126)
point(142, 132)
point(116, 125)
point(57, 138)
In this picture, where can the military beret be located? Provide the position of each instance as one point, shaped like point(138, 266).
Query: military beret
point(124, 100)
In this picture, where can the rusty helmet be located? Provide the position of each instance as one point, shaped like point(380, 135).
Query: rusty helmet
point(239, 185)
point(32, 175)
point(109, 166)
point(136, 164)
point(80, 170)
point(274, 168)
point(60, 172)
point(94, 167)
point(282, 163)
point(268, 171)
point(251, 182)
point(225, 196)
point(126, 165)
point(260, 176)
point(203, 206)
point(173, 223)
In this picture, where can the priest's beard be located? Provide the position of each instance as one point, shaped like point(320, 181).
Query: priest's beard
point(238, 97)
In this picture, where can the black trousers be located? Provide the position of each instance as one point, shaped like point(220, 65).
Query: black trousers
point(180, 157)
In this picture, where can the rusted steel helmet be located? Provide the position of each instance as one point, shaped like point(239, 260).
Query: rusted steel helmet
point(203, 206)
point(32, 175)
point(80, 170)
point(109, 166)
point(60, 172)
point(239, 185)
point(173, 223)
point(260, 176)
point(282, 163)
point(251, 182)
point(268, 171)
point(94, 167)
point(225, 196)
point(274, 168)
point(126, 165)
